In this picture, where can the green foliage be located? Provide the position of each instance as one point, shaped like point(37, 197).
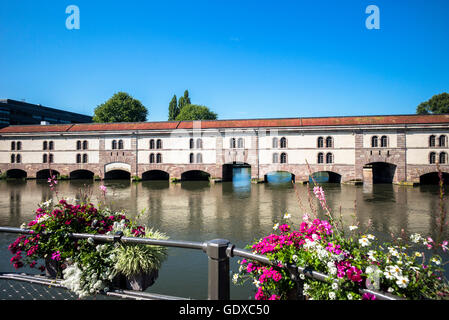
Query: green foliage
point(121, 107)
point(173, 109)
point(183, 101)
point(438, 104)
point(196, 112)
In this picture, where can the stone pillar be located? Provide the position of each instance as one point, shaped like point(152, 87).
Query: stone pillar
point(359, 155)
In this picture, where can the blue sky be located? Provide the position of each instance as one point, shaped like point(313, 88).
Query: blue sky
point(242, 59)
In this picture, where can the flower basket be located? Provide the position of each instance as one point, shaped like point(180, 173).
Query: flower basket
point(138, 282)
point(52, 269)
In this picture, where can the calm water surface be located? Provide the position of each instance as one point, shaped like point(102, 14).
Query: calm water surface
point(238, 211)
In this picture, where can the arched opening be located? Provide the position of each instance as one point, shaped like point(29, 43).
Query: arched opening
point(155, 175)
point(16, 174)
point(81, 174)
point(236, 172)
point(279, 177)
point(433, 178)
point(46, 173)
point(379, 172)
point(117, 175)
point(325, 177)
point(195, 175)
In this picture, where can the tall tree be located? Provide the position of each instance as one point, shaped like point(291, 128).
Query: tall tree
point(173, 109)
point(184, 100)
point(439, 103)
point(121, 107)
point(195, 112)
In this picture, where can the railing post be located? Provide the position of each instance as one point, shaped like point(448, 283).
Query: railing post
point(218, 269)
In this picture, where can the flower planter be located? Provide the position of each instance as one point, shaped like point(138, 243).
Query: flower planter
point(52, 269)
point(138, 282)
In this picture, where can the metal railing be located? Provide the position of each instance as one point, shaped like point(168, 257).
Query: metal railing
point(219, 251)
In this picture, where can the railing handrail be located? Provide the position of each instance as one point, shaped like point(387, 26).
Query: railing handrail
point(219, 251)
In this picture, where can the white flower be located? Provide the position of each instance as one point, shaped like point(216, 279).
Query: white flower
point(364, 242)
point(390, 289)
point(418, 254)
point(435, 260)
point(335, 286)
point(287, 216)
point(370, 236)
point(388, 274)
point(349, 296)
point(402, 282)
point(332, 295)
point(235, 277)
point(394, 270)
point(276, 226)
point(256, 283)
point(416, 237)
point(295, 258)
point(352, 228)
point(371, 254)
point(302, 276)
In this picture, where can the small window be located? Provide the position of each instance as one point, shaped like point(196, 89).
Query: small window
point(320, 142)
point(152, 158)
point(159, 144)
point(51, 145)
point(19, 158)
point(158, 158)
point(441, 140)
point(432, 157)
point(85, 158)
point(19, 145)
point(78, 145)
point(432, 139)
point(329, 142)
point(45, 145)
point(275, 158)
point(44, 158)
point(13, 158)
point(50, 158)
point(232, 143)
point(191, 158)
point(199, 143)
point(13, 145)
point(114, 144)
point(283, 142)
point(78, 158)
point(384, 141)
point(320, 157)
point(85, 145)
point(283, 157)
point(240, 143)
point(443, 157)
point(374, 142)
point(275, 142)
point(199, 158)
point(191, 144)
point(120, 144)
point(152, 144)
point(329, 158)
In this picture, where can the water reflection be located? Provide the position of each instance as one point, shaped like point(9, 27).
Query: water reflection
point(235, 210)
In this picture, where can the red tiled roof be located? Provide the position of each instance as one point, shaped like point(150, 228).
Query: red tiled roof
point(245, 123)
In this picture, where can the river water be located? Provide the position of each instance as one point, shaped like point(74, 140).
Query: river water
point(238, 211)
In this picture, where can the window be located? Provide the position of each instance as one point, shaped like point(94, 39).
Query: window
point(432, 157)
point(114, 144)
point(384, 142)
point(199, 143)
point(120, 144)
point(152, 144)
point(192, 144)
point(283, 157)
point(199, 158)
point(85, 158)
point(158, 158)
point(232, 143)
point(191, 158)
point(320, 142)
point(329, 142)
point(329, 158)
point(275, 142)
point(432, 141)
point(283, 142)
point(159, 144)
point(13, 158)
point(275, 158)
point(44, 158)
point(45, 145)
point(240, 143)
point(152, 158)
point(78, 145)
point(443, 157)
point(51, 145)
point(78, 158)
point(13, 145)
point(320, 158)
point(19, 158)
point(374, 142)
point(50, 158)
point(19, 145)
point(85, 145)
point(441, 140)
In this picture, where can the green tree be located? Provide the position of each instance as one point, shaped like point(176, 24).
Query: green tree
point(183, 101)
point(195, 112)
point(121, 107)
point(439, 103)
point(173, 109)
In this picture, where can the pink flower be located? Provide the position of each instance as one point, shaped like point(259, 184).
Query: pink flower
point(56, 256)
point(444, 245)
point(368, 296)
point(103, 189)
